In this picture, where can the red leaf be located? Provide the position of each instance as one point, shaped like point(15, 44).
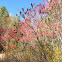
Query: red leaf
point(27, 9)
point(23, 16)
point(22, 9)
point(43, 6)
point(20, 12)
point(40, 4)
point(26, 12)
point(14, 46)
point(32, 5)
point(16, 14)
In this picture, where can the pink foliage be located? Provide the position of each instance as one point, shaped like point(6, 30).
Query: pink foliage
point(33, 26)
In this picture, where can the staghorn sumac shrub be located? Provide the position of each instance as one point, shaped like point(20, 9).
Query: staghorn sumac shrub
point(41, 23)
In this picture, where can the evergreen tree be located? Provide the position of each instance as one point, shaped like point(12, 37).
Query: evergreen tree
point(3, 16)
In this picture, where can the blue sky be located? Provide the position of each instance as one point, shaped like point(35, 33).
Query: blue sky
point(11, 5)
